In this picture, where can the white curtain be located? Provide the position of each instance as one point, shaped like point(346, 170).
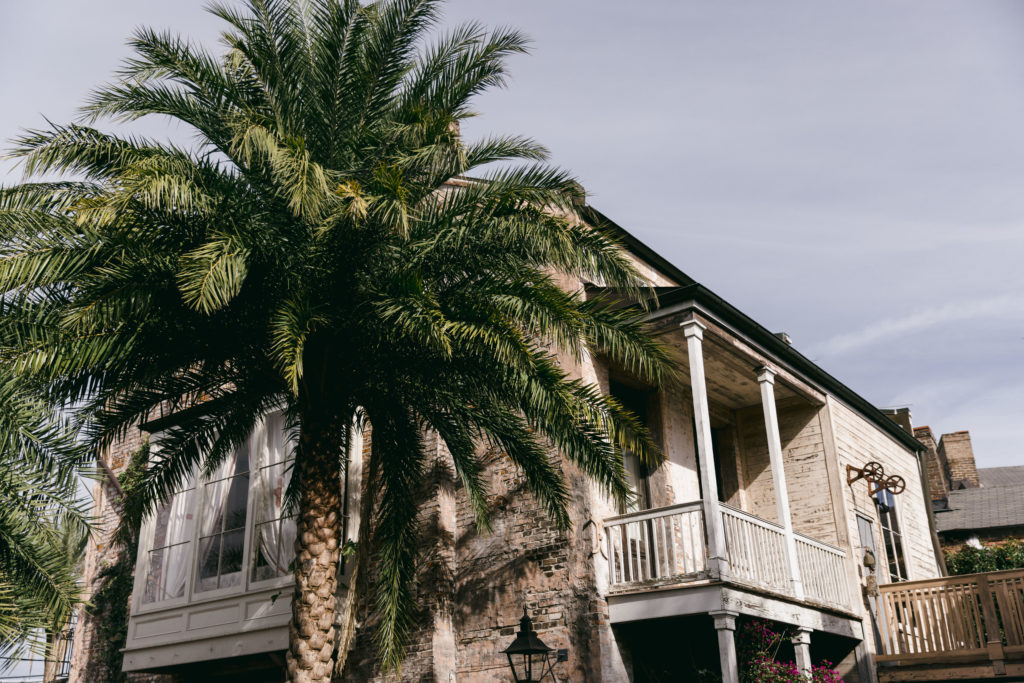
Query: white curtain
point(215, 495)
point(180, 527)
point(276, 537)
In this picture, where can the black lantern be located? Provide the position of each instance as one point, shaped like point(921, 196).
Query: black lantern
point(528, 656)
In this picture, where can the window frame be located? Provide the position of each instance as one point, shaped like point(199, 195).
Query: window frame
point(191, 595)
point(894, 510)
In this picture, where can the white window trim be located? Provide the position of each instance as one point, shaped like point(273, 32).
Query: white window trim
point(350, 488)
point(898, 511)
point(192, 596)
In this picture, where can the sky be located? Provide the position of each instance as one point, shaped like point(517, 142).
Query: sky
point(850, 173)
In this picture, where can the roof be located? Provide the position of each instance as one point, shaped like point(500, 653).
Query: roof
point(996, 477)
point(983, 508)
point(635, 246)
point(691, 290)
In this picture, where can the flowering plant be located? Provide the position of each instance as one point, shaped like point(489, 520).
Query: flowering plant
point(758, 647)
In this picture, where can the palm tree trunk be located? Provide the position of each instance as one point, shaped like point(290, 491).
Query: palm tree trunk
point(311, 633)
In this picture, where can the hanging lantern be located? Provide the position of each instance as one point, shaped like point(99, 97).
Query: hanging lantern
point(528, 657)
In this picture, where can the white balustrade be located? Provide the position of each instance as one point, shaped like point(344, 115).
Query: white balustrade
point(823, 570)
point(665, 544)
point(757, 550)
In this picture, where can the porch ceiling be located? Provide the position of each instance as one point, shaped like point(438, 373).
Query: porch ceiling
point(731, 379)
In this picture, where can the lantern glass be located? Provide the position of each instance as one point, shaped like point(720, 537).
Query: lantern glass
point(530, 667)
point(528, 656)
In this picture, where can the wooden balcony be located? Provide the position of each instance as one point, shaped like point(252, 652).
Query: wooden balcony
point(666, 547)
point(956, 628)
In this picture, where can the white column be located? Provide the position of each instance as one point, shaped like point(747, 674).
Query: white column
point(718, 557)
point(802, 648)
point(766, 378)
point(725, 626)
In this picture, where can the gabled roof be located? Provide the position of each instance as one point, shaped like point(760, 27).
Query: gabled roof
point(692, 291)
point(982, 508)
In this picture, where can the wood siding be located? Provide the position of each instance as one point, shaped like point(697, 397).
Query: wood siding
point(858, 442)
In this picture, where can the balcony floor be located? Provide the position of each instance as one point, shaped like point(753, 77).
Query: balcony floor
point(703, 597)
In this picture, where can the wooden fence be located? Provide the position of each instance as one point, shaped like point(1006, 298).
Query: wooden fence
point(953, 619)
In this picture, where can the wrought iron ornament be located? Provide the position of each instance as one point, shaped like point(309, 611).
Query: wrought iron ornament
point(877, 480)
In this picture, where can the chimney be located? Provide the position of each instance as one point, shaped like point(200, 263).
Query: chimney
point(955, 449)
point(900, 416)
point(938, 481)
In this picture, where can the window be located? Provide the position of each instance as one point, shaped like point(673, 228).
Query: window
point(171, 552)
point(274, 532)
point(226, 531)
point(634, 400)
point(222, 537)
point(891, 535)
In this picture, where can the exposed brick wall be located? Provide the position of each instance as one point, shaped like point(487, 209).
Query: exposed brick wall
point(938, 472)
point(473, 586)
point(955, 449)
point(86, 665)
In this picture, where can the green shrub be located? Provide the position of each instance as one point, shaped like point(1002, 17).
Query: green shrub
point(993, 558)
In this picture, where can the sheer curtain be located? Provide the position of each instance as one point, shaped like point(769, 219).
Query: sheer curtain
point(180, 527)
point(275, 536)
point(172, 528)
point(215, 498)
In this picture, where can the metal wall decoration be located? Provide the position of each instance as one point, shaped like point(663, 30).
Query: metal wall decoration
point(877, 480)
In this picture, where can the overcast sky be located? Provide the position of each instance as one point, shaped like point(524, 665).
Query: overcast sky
point(851, 173)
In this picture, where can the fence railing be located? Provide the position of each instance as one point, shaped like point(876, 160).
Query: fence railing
point(667, 545)
point(822, 572)
point(955, 618)
point(656, 545)
point(757, 550)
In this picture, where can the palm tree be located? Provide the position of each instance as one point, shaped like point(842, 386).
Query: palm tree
point(42, 525)
point(329, 245)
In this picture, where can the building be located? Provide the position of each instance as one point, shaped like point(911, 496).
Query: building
point(971, 505)
point(784, 496)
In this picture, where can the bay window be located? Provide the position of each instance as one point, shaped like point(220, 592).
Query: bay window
point(224, 533)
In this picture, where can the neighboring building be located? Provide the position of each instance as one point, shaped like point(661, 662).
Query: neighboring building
point(971, 505)
point(750, 515)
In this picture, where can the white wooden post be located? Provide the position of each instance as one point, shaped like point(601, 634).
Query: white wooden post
point(725, 626)
point(766, 378)
point(802, 649)
point(718, 556)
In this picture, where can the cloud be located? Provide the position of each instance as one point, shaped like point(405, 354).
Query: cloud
point(892, 328)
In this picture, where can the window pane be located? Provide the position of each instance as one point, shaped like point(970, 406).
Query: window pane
point(273, 539)
point(154, 576)
point(222, 546)
point(238, 496)
point(231, 558)
point(209, 562)
point(275, 549)
point(176, 560)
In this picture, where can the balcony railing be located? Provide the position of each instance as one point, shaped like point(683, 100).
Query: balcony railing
point(657, 546)
point(976, 617)
point(757, 550)
point(667, 546)
point(823, 572)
